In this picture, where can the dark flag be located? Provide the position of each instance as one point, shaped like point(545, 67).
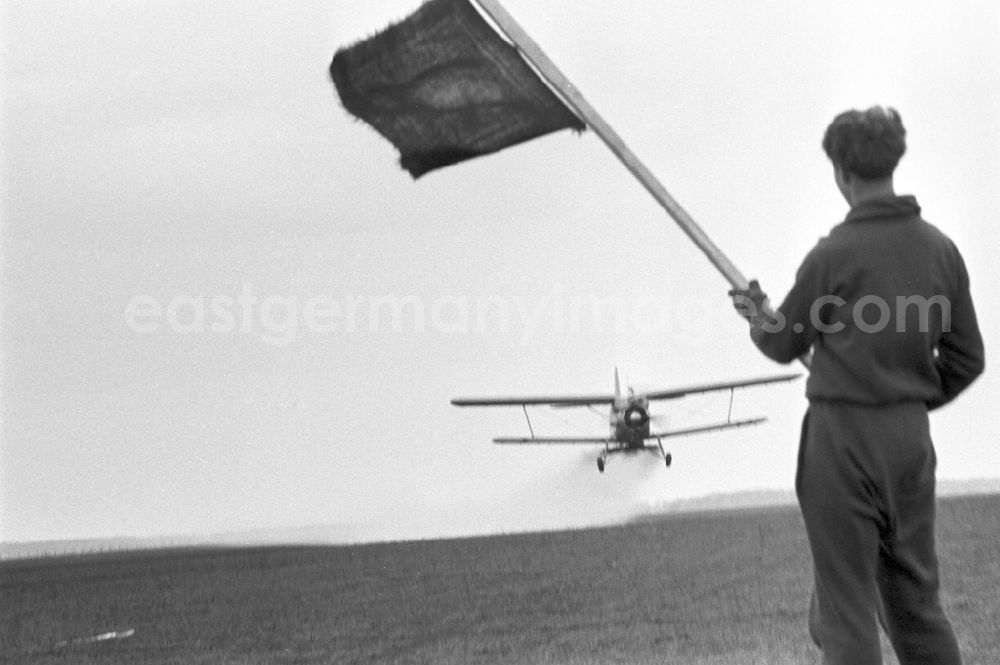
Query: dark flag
point(443, 87)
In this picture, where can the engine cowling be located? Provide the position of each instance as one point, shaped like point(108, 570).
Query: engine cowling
point(635, 417)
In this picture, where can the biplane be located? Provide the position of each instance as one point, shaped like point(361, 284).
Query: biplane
point(629, 418)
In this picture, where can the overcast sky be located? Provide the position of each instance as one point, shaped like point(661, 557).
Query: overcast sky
point(183, 197)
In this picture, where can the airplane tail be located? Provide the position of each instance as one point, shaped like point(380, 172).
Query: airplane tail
point(615, 406)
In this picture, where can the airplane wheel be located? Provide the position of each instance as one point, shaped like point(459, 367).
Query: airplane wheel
point(600, 464)
point(668, 458)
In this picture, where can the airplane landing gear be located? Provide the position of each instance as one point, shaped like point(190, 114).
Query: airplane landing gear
point(602, 459)
point(667, 457)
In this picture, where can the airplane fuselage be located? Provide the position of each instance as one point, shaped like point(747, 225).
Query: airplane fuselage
point(630, 421)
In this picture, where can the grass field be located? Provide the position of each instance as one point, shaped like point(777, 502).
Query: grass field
point(719, 588)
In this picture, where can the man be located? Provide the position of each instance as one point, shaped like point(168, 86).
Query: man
point(883, 304)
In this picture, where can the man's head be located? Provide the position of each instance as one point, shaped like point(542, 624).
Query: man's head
point(867, 144)
point(865, 147)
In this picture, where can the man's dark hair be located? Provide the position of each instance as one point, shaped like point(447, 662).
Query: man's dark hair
point(867, 143)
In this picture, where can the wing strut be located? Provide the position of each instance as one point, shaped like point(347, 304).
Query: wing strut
point(732, 393)
point(530, 429)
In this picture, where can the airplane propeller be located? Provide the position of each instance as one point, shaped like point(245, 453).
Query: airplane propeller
point(659, 421)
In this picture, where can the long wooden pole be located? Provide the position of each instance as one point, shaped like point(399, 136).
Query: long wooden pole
point(555, 78)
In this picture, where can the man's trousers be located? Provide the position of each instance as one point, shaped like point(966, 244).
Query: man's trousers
point(865, 484)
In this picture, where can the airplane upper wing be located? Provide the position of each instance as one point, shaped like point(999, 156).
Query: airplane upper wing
point(590, 400)
point(557, 400)
point(712, 387)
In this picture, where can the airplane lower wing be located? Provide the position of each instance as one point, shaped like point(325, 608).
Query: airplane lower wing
point(705, 428)
point(552, 400)
point(588, 440)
